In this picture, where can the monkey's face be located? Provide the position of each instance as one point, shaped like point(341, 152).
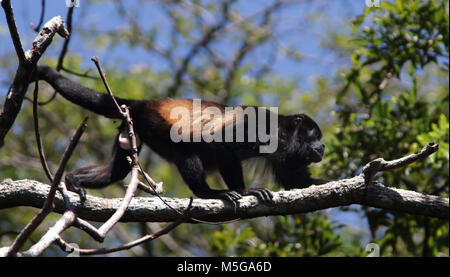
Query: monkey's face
point(314, 148)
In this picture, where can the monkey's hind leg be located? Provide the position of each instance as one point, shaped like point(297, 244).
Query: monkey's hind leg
point(100, 176)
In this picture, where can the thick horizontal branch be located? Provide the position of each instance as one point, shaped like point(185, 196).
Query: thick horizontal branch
point(151, 209)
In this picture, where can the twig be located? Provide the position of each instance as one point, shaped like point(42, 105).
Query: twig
point(170, 242)
point(6, 4)
point(380, 164)
point(43, 40)
point(88, 228)
point(52, 234)
point(124, 111)
point(27, 63)
point(47, 207)
point(154, 188)
point(63, 52)
point(79, 223)
point(38, 135)
point(104, 229)
point(108, 89)
point(67, 247)
point(83, 75)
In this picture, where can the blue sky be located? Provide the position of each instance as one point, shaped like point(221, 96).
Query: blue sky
point(317, 60)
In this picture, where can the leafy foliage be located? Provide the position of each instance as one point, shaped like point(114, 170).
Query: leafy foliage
point(389, 105)
point(301, 235)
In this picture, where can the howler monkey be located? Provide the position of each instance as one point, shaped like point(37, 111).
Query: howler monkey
point(298, 142)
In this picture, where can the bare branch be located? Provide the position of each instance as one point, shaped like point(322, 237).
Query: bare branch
point(6, 4)
point(170, 242)
point(78, 222)
point(27, 63)
point(132, 186)
point(41, 19)
point(59, 66)
point(38, 135)
point(123, 205)
point(43, 40)
point(150, 209)
point(53, 233)
point(154, 188)
point(67, 247)
point(47, 205)
point(79, 74)
point(381, 165)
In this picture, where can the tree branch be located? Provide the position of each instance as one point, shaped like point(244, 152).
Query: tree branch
point(381, 165)
point(151, 209)
point(38, 134)
point(47, 205)
point(357, 190)
point(27, 63)
point(64, 245)
point(53, 233)
point(6, 5)
point(63, 52)
point(41, 18)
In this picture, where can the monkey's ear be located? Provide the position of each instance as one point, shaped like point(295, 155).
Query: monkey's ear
point(300, 124)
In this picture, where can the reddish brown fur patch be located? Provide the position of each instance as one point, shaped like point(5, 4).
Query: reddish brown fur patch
point(165, 107)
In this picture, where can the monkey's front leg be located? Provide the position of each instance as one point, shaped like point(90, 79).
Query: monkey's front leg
point(192, 171)
point(230, 169)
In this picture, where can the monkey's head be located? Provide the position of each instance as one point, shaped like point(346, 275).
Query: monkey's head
point(301, 140)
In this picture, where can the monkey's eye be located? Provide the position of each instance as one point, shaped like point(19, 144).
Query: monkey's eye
point(307, 134)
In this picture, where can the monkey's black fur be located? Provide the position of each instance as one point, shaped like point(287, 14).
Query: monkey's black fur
point(298, 146)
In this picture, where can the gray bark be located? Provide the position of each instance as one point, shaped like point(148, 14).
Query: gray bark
point(151, 209)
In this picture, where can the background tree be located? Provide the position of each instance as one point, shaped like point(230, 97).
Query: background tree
point(397, 92)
